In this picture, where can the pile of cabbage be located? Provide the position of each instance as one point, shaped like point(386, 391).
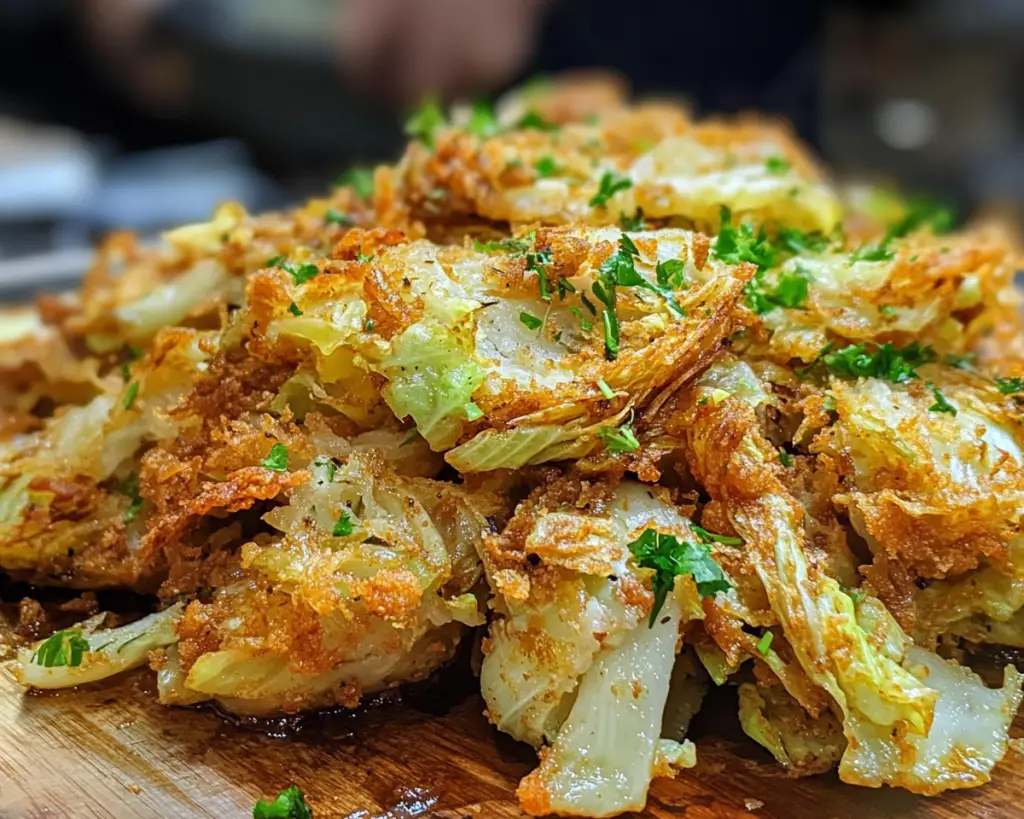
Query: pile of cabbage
point(643, 403)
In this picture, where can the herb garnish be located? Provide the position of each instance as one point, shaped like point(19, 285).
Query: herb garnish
point(611, 183)
point(64, 648)
point(941, 404)
point(670, 557)
point(424, 122)
point(619, 439)
point(290, 804)
point(277, 460)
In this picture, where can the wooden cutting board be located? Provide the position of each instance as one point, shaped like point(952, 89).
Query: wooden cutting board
point(111, 751)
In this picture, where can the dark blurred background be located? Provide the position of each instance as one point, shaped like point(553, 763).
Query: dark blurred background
point(147, 113)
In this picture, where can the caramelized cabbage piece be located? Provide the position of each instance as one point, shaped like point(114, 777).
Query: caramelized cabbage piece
point(499, 355)
point(652, 158)
point(371, 582)
point(88, 653)
point(571, 660)
point(902, 726)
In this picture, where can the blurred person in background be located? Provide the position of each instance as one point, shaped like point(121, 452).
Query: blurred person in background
point(721, 56)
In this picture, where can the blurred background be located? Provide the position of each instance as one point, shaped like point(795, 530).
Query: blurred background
point(147, 113)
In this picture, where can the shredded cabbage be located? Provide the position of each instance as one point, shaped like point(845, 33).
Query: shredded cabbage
point(431, 378)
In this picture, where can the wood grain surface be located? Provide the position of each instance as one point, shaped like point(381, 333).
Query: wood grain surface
point(111, 751)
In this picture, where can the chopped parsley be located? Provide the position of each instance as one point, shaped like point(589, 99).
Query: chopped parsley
point(64, 648)
point(425, 121)
point(1010, 386)
point(503, 245)
point(293, 308)
point(300, 273)
point(129, 395)
point(277, 460)
point(546, 167)
point(634, 222)
point(619, 270)
point(880, 252)
point(532, 121)
point(362, 258)
point(961, 362)
point(606, 391)
point(735, 245)
point(336, 217)
point(344, 527)
point(797, 242)
point(275, 261)
point(886, 362)
point(536, 262)
point(360, 179)
point(290, 804)
point(130, 487)
point(714, 537)
point(785, 458)
point(482, 121)
point(670, 273)
point(611, 183)
point(921, 211)
point(585, 325)
point(473, 412)
point(619, 439)
point(328, 465)
point(941, 404)
point(530, 320)
point(777, 164)
point(764, 645)
point(791, 291)
point(670, 557)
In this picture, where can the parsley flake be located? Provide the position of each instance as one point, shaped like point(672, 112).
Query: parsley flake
point(130, 487)
point(546, 167)
point(336, 217)
point(634, 222)
point(922, 211)
point(671, 273)
point(1010, 386)
point(797, 242)
point(941, 404)
point(503, 245)
point(344, 526)
point(873, 253)
point(611, 183)
point(290, 804)
point(530, 320)
point(735, 245)
point(64, 648)
point(777, 164)
point(130, 394)
point(619, 439)
point(669, 557)
point(886, 362)
point(533, 121)
point(482, 121)
point(425, 121)
point(300, 273)
point(785, 458)
point(360, 179)
point(293, 308)
point(277, 460)
point(714, 537)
